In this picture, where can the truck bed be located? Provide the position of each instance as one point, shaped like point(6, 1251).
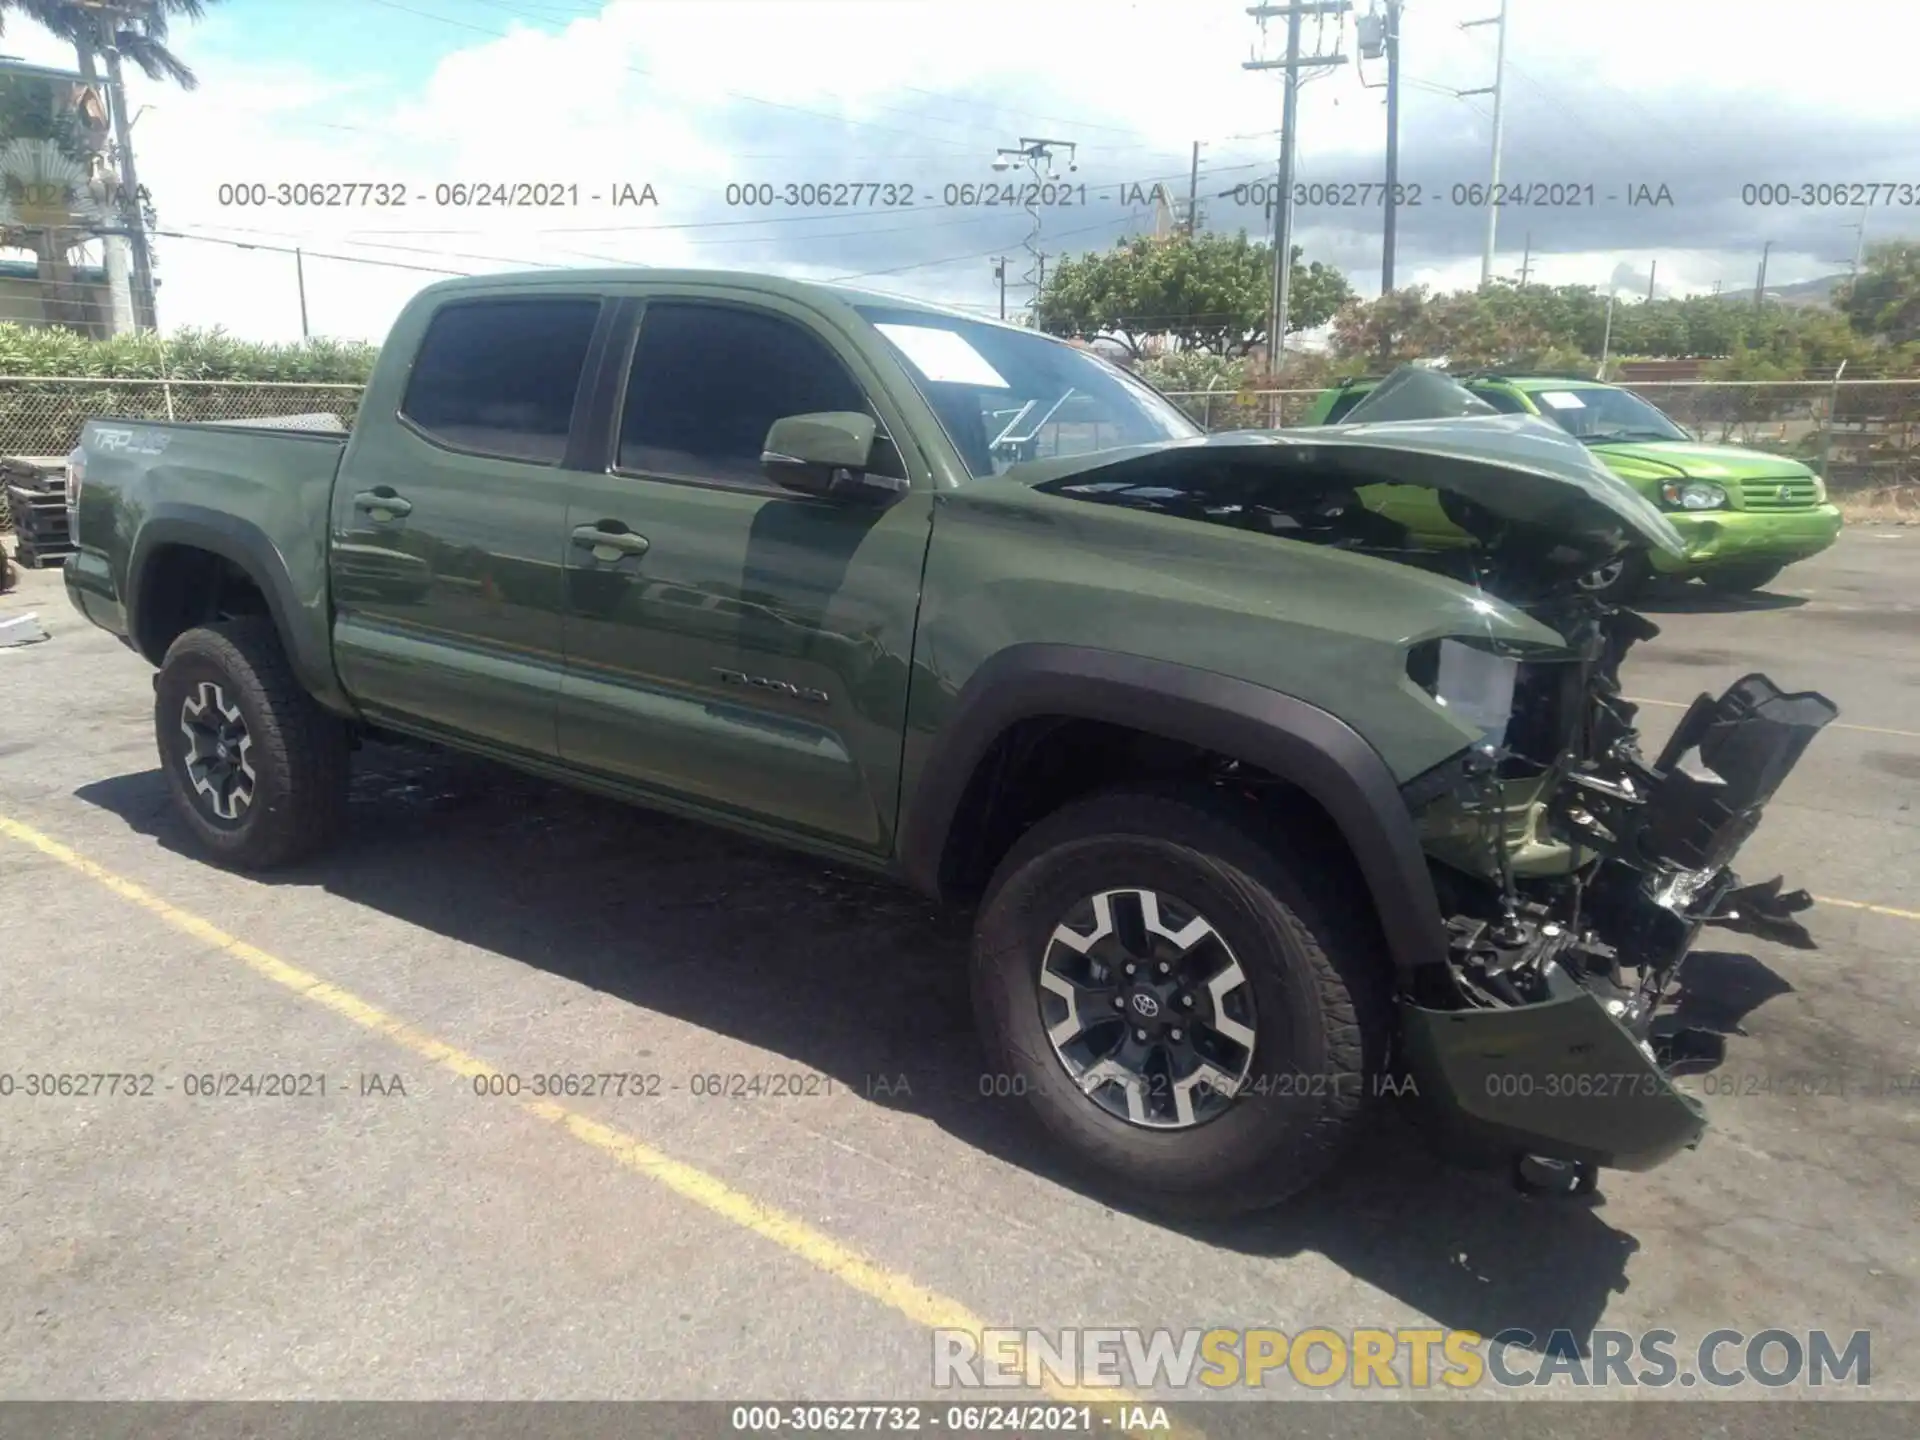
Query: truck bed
point(150, 479)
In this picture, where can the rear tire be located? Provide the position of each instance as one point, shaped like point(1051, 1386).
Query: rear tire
point(1315, 1001)
point(1739, 579)
point(257, 770)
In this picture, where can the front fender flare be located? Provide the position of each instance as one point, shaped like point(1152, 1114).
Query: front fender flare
point(1287, 737)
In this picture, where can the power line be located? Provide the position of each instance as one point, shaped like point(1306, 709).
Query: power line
point(1127, 220)
point(320, 254)
point(971, 218)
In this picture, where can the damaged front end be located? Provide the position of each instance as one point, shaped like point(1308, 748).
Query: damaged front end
point(1575, 874)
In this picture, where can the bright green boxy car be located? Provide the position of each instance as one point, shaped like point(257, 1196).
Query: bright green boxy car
point(1745, 515)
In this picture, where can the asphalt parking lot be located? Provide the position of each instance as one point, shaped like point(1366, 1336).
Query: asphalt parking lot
point(404, 1237)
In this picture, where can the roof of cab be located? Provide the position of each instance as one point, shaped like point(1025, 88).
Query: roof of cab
point(810, 291)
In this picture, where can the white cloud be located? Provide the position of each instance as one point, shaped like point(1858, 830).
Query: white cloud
point(658, 91)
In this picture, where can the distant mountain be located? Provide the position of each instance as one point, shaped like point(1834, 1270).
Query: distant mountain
point(1806, 292)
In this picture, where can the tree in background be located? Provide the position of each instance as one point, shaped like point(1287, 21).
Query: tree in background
point(1884, 301)
point(1206, 292)
point(1504, 324)
point(44, 170)
point(1540, 327)
point(113, 31)
point(138, 29)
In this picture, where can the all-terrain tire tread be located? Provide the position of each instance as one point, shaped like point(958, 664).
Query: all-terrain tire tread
point(1292, 889)
point(308, 744)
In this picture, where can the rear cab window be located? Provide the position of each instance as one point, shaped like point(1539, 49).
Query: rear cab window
point(502, 377)
point(1502, 399)
point(1347, 400)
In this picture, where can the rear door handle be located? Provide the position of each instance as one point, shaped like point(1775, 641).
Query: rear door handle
point(382, 503)
point(608, 544)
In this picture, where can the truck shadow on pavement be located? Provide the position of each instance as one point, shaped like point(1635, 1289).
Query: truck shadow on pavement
point(1698, 600)
point(866, 982)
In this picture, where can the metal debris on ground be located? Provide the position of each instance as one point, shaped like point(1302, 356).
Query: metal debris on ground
point(22, 630)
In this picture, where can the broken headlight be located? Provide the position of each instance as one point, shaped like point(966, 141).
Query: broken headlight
point(1470, 681)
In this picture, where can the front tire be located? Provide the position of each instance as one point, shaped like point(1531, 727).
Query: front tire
point(1620, 580)
point(1225, 1073)
point(257, 770)
point(1740, 579)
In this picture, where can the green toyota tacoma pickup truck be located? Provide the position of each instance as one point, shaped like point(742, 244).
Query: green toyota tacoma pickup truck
point(1262, 809)
point(1743, 515)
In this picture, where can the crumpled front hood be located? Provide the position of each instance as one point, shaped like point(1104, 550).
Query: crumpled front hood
point(1519, 468)
point(1691, 460)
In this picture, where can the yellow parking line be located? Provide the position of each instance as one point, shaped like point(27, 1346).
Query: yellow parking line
point(1836, 725)
point(898, 1292)
point(1862, 905)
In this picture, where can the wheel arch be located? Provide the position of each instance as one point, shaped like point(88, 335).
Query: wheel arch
point(248, 549)
point(1283, 736)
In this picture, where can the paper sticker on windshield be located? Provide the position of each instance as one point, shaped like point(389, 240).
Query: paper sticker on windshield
point(1563, 400)
point(943, 356)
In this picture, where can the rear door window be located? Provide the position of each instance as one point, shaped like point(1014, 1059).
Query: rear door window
point(501, 377)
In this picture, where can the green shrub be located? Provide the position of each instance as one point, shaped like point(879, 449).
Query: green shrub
point(183, 355)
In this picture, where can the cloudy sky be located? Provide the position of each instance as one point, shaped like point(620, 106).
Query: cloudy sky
point(1701, 97)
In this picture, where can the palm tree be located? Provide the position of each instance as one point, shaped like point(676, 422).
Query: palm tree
point(135, 28)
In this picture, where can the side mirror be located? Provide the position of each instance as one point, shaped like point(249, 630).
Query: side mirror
point(827, 454)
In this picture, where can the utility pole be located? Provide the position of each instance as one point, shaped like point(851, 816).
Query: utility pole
point(1606, 338)
point(1379, 34)
point(300, 279)
point(1526, 261)
point(1653, 269)
point(1495, 90)
point(105, 190)
point(105, 18)
point(1289, 116)
point(1193, 191)
point(1037, 156)
point(1000, 274)
point(1390, 225)
point(1760, 284)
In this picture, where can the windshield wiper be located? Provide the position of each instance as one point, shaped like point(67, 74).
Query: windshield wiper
point(1608, 437)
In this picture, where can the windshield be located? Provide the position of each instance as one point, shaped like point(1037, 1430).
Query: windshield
point(1006, 395)
point(1598, 415)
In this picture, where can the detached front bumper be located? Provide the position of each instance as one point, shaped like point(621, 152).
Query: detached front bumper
point(1747, 537)
point(1562, 1079)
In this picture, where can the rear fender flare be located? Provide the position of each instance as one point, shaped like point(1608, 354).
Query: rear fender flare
point(1285, 736)
point(247, 547)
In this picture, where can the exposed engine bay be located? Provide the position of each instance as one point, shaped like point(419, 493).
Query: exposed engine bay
point(1564, 851)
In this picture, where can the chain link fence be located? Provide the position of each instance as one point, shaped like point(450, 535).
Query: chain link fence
point(1864, 435)
point(42, 414)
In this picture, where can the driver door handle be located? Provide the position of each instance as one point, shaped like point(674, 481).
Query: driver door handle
point(595, 537)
